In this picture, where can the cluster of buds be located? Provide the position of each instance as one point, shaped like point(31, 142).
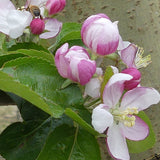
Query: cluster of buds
point(15, 21)
point(122, 96)
point(102, 37)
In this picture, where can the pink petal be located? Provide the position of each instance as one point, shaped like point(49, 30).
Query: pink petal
point(114, 89)
point(81, 70)
point(116, 143)
point(73, 69)
point(89, 21)
point(86, 70)
point(140, 97)
point(60, 60)
point(53, 26)
point(136, 133)
point(135, 81)
point(122, 44)
point(101, 118)
point(128, 55)
point(55, 6)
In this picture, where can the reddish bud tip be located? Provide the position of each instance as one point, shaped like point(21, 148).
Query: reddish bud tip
point(37, 26)
point(135, 81)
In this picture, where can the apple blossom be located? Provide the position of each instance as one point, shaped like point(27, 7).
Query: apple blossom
point(117, 114)
point(100, 34)
point(74, 63)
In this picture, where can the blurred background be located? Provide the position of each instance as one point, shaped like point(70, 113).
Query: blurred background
point(139, 22)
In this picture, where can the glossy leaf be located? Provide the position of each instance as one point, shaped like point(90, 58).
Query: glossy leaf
point(8, 84)
point(27, 45)
point(27, 110)
point(141, 146)
point(73, 115)
point(7, 57)
point(38, 81)
point(70, 33)
point(39, 54)
point(68, 143)
point(25, 140)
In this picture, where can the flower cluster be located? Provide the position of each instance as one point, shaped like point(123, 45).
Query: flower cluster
point(119, 96)
point(15, 21)
point(122, 97)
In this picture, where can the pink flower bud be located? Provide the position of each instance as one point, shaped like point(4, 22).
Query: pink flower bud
point(55, 6)
point(37, 26)
point(135, 81)
point(75, 64)
point(100, 34)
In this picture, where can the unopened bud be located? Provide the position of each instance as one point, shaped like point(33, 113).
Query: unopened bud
point(135, 81)
point(37, 26)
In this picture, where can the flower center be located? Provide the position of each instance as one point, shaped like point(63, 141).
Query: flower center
point(126, 117)
point(141, 61)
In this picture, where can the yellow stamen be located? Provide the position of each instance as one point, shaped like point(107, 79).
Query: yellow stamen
point(127, 116)
point(141, 61)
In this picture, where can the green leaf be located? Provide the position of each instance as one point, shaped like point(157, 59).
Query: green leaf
point(38, 82)
point(68, 143)
point(27, 45)
point(35, 53)
point(143, 145)
point(7, 57)
point(8, 84)
point(107, 75)
point(70, 33)
point(25, 140)
point(80, 121)
point(27, 110)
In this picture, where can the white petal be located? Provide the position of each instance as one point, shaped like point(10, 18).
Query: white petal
point(140, 97)
point(5, 7)
point(92, 88)
point(99, 71)
point(114, 89)
point(38, 3)
point(122, 44)
point(6, 4)
point(53, 26)
point(17, 22)
point(115, 69)
point(3, 21)
point(116, 143)
point(101, 118)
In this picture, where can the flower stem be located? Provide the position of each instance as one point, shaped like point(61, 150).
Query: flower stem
point(92, 103)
